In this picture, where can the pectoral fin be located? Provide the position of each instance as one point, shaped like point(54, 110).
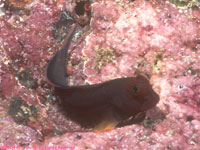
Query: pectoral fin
point(108, 123)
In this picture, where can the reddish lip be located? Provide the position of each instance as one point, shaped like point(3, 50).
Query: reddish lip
point(148, 106)
point(87, 7)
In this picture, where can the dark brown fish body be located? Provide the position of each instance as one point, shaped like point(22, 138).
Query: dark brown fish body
point(128, 96)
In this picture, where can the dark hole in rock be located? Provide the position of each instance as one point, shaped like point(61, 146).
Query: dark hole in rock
point(80, 7)
point(185, 100)
point(26, 78)
point(62, 27)
point(148, 123)
point(194, 48)
point(156, 117)
point(23, 144)
point(18, 6)
point(168, 147)
point(20, 111)
point(78, 136)
point(190, 118)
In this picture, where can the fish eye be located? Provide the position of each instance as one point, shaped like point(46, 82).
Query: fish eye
point(135, 89)
point(87, 7)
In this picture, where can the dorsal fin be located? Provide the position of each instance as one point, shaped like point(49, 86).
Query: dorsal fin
point(56, 70)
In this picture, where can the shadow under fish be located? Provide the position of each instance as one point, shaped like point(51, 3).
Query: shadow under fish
point(102, 106)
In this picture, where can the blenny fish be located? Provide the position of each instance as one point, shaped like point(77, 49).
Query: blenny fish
point(109, 102)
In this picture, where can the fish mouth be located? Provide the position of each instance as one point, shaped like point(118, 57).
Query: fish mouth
point(147, 108)
point(150, 104)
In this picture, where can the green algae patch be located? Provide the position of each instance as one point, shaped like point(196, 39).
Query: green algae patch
point(185, 4)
